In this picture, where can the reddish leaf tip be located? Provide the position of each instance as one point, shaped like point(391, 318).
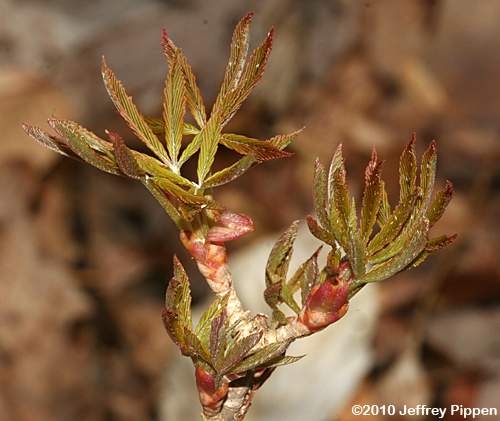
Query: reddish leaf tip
point(115, 138)
point(449, 187)
point(52, 122)
point(177, 262)
point(248, 17)
point(270, 37)
point(104, 65)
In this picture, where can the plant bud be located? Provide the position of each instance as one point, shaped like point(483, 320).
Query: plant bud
point(230, 226)
point(211, 397)
point(326, 303)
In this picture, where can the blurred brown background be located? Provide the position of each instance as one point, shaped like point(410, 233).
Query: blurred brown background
point(85, 256)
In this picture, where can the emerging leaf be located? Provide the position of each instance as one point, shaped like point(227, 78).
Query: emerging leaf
point(402, 239)
point(262, 357)
point(78, 139)
point(411, 249)
point(55, 144)
point(320, 193)
point(193, 94)
point(124, 157)
point(263, 150)
point(181, 198)
point(173, 108)
point(238, 351)
point(428, 174)
point(237, 59)
point(130, 113)
point(439, 204)
point(279, 259)
point(407, 170)
point(372, 197)
point(231, 173)
point(177, 311)
point(384, 212)
point(203, 327)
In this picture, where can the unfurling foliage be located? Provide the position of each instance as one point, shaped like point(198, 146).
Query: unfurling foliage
point(214, 343)
point(366, 246)
point(172, 139)
point(234, 353)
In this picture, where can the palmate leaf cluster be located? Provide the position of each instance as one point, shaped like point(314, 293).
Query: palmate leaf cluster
point(380, 241)
point(176, 137)
point(376, 242)
point(214, 344)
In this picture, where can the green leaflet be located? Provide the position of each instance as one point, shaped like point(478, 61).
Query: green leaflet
point(183, 195)
point(231, 173)
point(336, 163)
point(320, 193)
point(174, 103)
point(237, 59)
point(125, 158)
point(251, 74)
point(263, 150)
point(209, 141)
point(372, 197)
point(283, 360)
point(439, 204)
point(46, 140)
point(195, 143)
point(340, 208)
point(281, 253)
point(433, 246)
point(272, 296)
point(193, 94)
point(440, 242)
point(194, 347)
point(357, 253)
point(204, 325)
point(281, 141)
point(341, 196)
point(411, 250)
point(157, 125)
point(304, 277)
point(407, 171)
point(398, 243)
point(177, 312)
point(183, 306)
point(165, 203)
point(391, 229)
point(319, 232)
point(264, 355)
point(157, 169)
point(428, 174)
point(384, 211)
point(130, 113)
point(91, 139)
point(77, 140)
point(218, 339)
point(238, 351)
